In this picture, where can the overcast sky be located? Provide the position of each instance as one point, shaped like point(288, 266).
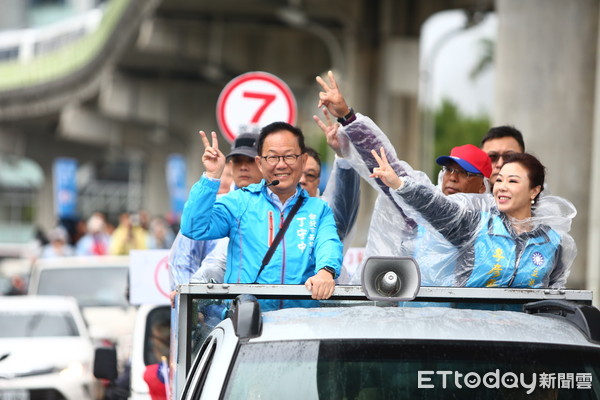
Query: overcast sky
point(456, 56)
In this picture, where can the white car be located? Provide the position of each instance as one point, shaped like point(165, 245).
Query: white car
point(45, 350)
point(100, 284)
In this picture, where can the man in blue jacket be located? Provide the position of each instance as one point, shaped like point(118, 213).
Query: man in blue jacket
point(310, 251)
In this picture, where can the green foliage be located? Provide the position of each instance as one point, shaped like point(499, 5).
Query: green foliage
point(486, 58)
point(452, 128)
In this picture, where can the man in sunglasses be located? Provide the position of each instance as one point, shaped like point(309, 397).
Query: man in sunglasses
point(499, 142)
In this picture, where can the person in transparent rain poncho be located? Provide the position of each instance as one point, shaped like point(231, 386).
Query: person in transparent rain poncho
point(504, 243)
point(392, 232)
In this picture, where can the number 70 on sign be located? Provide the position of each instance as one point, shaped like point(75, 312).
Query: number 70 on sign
point(253, 100)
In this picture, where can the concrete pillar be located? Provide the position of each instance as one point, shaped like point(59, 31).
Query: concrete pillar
point(593, 269)
point(400, 109)
point(545, 69)
point(382, 82)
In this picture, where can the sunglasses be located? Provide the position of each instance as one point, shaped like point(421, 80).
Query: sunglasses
point(496, 156)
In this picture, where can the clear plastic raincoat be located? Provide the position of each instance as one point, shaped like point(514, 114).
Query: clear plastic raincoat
point(426, 226)
point(489, 248)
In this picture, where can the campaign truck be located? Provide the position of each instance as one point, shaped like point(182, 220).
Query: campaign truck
point(389, 338)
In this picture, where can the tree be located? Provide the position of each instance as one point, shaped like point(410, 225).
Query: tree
point(452, 128)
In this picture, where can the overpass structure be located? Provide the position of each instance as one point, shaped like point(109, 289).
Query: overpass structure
point(149, 75)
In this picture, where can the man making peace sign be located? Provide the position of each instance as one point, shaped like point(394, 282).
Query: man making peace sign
point(309, 252)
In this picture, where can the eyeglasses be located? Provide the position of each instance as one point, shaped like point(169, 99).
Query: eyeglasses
point(496, 156)
point(310, 177)
point(289, 159)
point(459, 172)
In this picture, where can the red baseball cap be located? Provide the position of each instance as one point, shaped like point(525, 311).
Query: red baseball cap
point(471, 158)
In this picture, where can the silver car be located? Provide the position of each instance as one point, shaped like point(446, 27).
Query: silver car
point(45, 350)
point(99, 283)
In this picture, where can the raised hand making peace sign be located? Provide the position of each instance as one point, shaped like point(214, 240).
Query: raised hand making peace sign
point(331, 97)
point(385, 172)
point(213, 159)
point(339, 145)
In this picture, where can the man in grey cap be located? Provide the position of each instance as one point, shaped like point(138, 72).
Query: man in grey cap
point(242, 155)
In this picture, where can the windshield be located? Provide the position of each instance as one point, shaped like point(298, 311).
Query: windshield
point(36, 324)
point(386, 369)
point(92, 287)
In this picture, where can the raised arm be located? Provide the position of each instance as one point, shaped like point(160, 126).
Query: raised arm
point(358, 130)
point(201, 218)
point(343, 195)
point(357, 136)
point(451, 219)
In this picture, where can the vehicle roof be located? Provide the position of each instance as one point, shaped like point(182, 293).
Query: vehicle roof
point(82, 262)
point(423, 323)
point(34, 302)
point(15, 266)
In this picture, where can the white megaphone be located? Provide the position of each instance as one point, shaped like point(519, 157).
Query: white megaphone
point(391, 278)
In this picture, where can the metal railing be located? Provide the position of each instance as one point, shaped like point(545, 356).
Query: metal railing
point(24, 45)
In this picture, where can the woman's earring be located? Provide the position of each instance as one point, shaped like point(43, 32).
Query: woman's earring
point(532, 201)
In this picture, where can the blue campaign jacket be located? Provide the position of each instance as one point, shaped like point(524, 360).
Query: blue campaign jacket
point(500, 261)
point(251, 221)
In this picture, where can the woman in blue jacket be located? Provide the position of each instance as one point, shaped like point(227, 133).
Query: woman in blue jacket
point(505, 244)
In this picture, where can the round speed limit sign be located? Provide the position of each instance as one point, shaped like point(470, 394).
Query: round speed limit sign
point(253, 100)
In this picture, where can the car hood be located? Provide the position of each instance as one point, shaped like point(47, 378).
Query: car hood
point(34, 356)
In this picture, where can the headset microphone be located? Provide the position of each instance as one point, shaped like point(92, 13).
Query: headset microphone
point(273, 183)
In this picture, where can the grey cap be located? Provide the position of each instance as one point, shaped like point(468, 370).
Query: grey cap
point(244, 145)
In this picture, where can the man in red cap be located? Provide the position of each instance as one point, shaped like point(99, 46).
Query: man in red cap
point(464, 170)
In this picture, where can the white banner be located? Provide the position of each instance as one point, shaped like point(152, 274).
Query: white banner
point(149, 277)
